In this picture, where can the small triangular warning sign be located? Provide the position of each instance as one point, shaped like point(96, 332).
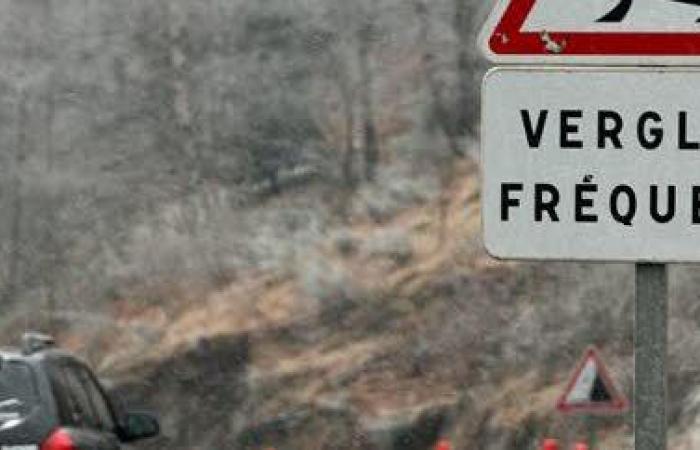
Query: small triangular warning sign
point(591, 390)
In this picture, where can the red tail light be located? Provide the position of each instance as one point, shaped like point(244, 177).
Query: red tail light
point(59, 440)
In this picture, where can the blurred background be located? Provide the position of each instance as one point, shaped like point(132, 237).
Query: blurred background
point(261, 220)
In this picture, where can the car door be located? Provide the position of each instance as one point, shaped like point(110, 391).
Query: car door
point(106, 420)
point(80, 409)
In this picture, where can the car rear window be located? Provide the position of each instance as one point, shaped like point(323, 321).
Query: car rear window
point(18, 394)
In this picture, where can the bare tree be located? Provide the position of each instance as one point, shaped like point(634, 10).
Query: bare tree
point(442, 115)
point(179, 67)
point(463, 27)
point(435, 86)
point(12, 280)
point(365, 39)
point(341, 70)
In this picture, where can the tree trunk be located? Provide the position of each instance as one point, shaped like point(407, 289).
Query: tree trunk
point(348, 159)
point(442, 113)
point(179, 126)
point(444, 121)
point(273, 178)
point(16, 207)
point(371, 144)
point(53, 250)
point(466, 107)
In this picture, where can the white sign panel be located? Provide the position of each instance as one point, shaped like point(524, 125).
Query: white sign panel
point(590, 164)
point(588, 16)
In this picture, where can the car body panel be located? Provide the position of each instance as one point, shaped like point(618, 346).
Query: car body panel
point(34, 424)
point(54, 379)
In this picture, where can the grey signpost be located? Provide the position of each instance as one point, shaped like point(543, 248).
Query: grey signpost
point(650, 338)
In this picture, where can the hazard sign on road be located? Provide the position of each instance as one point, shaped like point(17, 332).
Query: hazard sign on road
point(591, 390)
point(634, 32)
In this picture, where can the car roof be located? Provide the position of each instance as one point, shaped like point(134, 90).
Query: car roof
point(38, 357)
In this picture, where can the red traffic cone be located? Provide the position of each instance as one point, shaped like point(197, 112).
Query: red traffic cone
point(443, 444)
point(581, 446)
point(550, 444)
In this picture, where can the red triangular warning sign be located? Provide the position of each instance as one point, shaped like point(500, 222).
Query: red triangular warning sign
point(591, 390)
point(635, 32)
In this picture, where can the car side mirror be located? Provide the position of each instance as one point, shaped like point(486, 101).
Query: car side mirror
point(137, 426)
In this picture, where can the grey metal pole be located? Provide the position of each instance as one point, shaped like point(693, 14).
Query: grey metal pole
point(650, 341)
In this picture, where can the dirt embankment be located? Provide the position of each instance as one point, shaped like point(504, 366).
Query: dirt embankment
point(387, 336)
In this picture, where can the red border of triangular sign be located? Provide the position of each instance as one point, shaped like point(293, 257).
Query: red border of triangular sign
point(617, 405)
point(503, 40)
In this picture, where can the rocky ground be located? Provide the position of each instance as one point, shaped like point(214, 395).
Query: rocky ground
point(386, 336)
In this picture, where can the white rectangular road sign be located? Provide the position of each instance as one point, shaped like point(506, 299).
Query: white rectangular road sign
point(592, 164)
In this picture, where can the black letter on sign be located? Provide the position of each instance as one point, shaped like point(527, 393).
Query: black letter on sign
point(542, 206)
point(670, 209)
point(696, 205)
point(683, 143)
point(612, 133)
point(618, 13)
point(625, 219)
point(506, 201)
point(656, 133)
point(568, 128)
point(582, 203)
point(534, 135)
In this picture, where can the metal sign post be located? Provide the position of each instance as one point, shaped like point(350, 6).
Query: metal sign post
point(592, 434)
point(650, 340)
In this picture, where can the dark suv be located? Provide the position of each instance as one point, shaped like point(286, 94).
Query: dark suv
point(50, 400)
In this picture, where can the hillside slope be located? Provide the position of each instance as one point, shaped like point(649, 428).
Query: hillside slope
point(384, 337)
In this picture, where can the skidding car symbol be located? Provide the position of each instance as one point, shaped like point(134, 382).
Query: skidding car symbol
point(619, 12)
